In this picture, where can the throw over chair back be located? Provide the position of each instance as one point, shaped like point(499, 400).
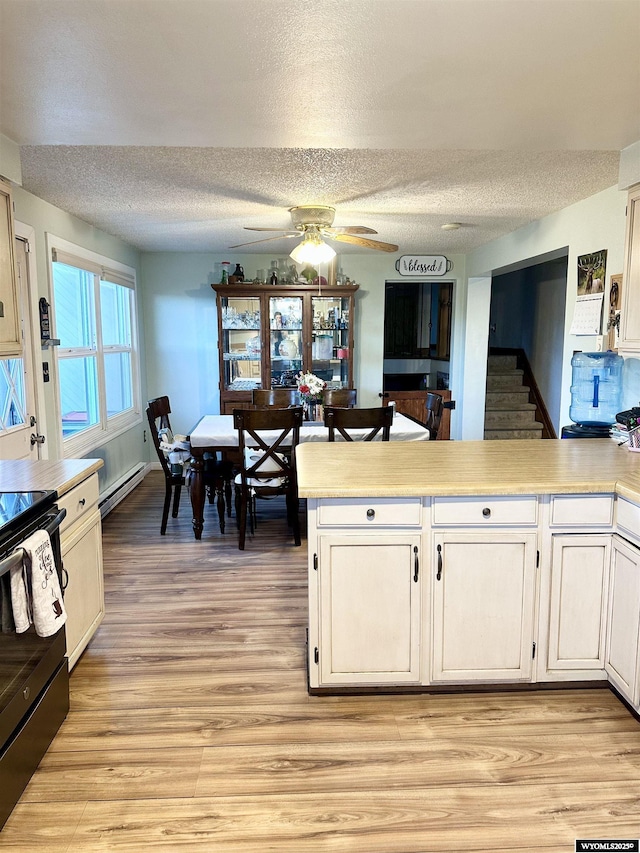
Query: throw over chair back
point(267, 439)
point(158, 411)
point(281, 398)
point(434, 406)
point(344, 398)
point(343, 420)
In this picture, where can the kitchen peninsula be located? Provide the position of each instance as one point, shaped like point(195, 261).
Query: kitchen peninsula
point(435, 565)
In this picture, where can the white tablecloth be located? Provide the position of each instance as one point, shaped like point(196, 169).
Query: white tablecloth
point(217, 431)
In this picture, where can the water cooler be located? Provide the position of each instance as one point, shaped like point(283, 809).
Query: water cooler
point(596, 384)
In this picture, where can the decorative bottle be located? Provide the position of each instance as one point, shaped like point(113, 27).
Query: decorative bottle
point(224, 278)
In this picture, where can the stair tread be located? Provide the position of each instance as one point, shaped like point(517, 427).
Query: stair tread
point(509, 406)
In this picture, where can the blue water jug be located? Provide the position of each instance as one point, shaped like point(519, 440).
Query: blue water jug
point(596, 385)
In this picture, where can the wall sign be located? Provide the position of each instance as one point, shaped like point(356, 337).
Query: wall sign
point(423, 265)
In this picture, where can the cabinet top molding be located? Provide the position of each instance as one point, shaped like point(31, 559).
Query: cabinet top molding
point(421, 265)
point(284, 289)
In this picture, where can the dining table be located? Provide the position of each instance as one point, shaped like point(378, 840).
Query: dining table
point(216, 433)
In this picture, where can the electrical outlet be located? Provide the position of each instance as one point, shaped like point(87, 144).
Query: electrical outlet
point(599, 343)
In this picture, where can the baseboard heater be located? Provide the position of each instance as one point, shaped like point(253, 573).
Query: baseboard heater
point(121, 488)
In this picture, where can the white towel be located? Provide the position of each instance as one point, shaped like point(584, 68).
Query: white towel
point(20, 603)
point(47, 606)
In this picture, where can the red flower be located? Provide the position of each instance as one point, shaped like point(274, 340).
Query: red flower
point(304, 389)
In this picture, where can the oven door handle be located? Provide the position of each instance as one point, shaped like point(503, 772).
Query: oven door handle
point(16, 557)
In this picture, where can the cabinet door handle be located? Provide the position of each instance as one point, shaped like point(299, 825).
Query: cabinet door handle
point(416, 564)
point(439, 574)
point(82, 501)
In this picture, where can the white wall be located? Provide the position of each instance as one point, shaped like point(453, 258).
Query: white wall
point(595, 223)
point(122, 453)
point(181, 329)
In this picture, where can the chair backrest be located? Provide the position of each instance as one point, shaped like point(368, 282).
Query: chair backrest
point(434, 406)
point(276, 457)
point(342, 420)
point(280, 398)
point(158, 411)
point(343, 398)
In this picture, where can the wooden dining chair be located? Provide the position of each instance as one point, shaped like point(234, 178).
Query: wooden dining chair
point(344, 398)
point(434, 406)
point(267, 439)
point(341, 421)
point(216, 474)
point(279, 398)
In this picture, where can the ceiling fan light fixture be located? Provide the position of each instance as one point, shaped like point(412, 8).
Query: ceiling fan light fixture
point(312, 250)
point(451, 226)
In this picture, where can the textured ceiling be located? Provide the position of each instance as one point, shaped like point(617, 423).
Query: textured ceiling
point(174, 123)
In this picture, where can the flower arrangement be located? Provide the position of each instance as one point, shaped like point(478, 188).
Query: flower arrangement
point(310, 387)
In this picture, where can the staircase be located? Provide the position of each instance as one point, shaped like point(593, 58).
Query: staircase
point(508, 412)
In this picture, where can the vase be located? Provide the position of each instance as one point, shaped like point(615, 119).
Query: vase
point(312, 410)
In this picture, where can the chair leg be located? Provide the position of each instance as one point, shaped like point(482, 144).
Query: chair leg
point(220, 494)
point(227, 492)
point(165, 509)
point(238, 500)
point(176, 500)
point(242, 521)
point(293, 516)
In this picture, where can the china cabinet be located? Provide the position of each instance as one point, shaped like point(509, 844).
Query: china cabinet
point(10, 334)
point(268, 333)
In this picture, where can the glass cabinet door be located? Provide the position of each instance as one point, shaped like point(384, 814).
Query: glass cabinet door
point(330, 355)
point(241, 343)
point(285, 344)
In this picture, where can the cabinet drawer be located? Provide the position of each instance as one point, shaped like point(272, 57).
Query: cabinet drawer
point(512, 509)
point(628, 518)
point(374, 512)
point(78, 501)
point(582, 510)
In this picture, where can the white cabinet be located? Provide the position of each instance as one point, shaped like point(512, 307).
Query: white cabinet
point(365, 591)
point(483, 593)
point(369, 609)
point(81, 545)
point(10, 327)
point(622, 660)
point(577, 605)
point(630, 313)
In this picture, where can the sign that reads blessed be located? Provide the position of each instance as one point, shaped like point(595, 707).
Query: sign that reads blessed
point(423, 265)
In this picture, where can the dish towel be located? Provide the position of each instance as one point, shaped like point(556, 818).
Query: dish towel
point(40, 579)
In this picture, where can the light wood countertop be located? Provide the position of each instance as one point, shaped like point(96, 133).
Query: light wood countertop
point(23, 475)
point(411, 469)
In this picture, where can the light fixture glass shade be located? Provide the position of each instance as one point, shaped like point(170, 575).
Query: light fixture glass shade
point(312, 250)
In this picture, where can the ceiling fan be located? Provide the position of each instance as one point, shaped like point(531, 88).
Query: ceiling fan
point(313, 222)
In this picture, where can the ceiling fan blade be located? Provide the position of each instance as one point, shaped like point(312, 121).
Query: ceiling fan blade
point(266, 240)
point(250, 228)
point(350, 229)
point(367, 244)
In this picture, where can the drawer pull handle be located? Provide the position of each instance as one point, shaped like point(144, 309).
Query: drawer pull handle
point(486, 512)
point(371, 514)
point(82, 501)
point(439, 574)
point(416, 564)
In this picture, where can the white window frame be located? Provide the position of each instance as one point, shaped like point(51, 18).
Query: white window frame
point(103, 268)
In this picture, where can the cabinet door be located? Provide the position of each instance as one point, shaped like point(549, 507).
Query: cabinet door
point(623, 629)
point(331, 340)
point(577, 611)
point(483, 602)
point(241, 343)
point(84, 595)
point(369, 609)
point(285, 340)
point(630, 313)
point(10, 337)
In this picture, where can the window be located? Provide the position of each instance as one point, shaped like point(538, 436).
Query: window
point(12, 398)
point(97, 365)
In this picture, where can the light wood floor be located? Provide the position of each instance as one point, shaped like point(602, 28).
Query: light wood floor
point(191, 728)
